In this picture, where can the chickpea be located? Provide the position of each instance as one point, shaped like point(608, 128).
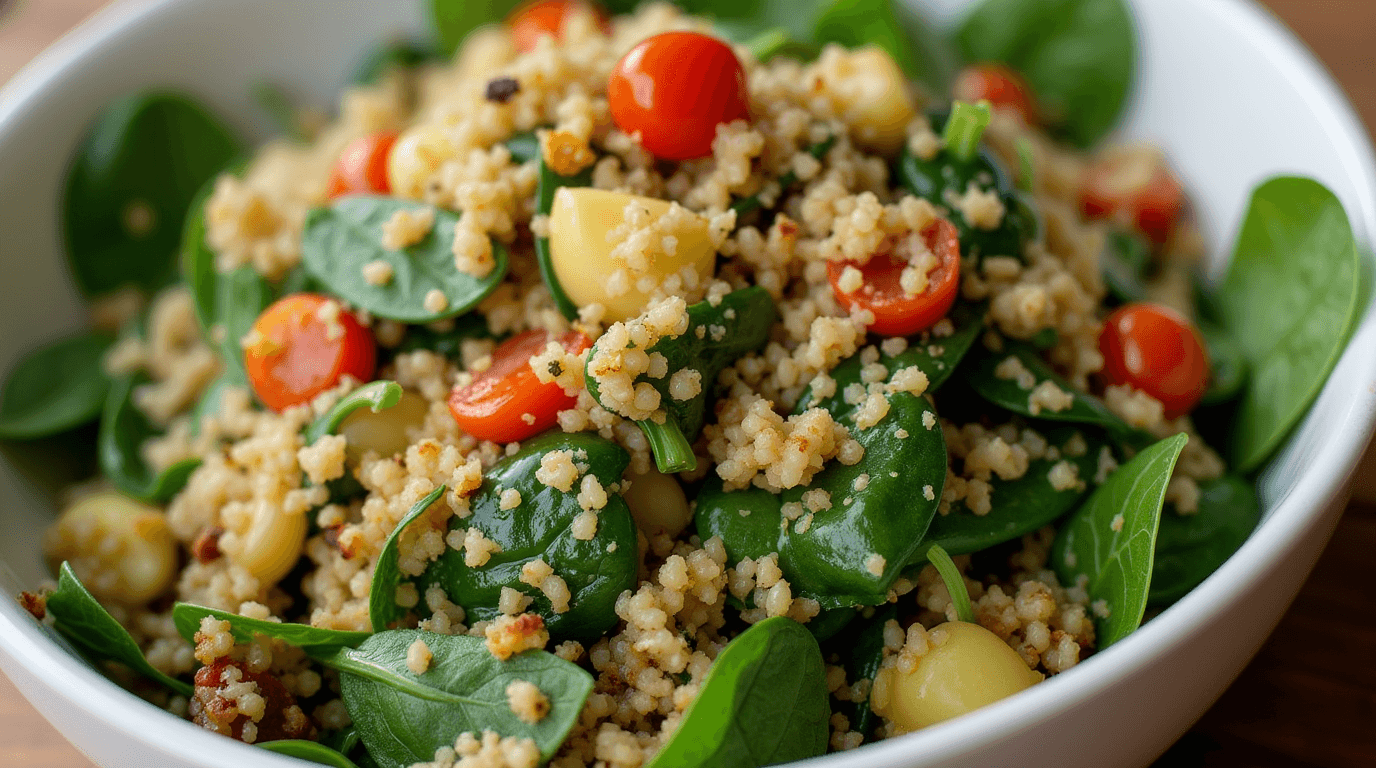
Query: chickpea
point(263, 539)
point(122, 550)
point(384, 432)
point(579, 222)
point(657, 503)
point(967, 668)
point(871, 94)
point(415, 157)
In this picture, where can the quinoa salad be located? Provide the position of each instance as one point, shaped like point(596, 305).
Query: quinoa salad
point(658, 385)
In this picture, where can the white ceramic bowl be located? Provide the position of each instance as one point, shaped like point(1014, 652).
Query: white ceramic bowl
point(1230, 95)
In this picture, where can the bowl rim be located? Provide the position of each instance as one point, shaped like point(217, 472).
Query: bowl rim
point(33, 648)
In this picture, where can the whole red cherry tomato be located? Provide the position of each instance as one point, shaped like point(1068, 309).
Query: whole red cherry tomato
point(998, 85)
point(537, 19)
point(362, 167)
point(674, 89)
point(1134, 183)
point(896, 313)
point(507, 402)
point(302, 345)
point(1157, 351)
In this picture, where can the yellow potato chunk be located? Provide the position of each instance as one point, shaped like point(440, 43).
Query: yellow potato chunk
point(583, 260)
point(384, 432)
point(657, 503)
point(870, 94)
point(122, 550)
point(967, 668)
point(414, 158)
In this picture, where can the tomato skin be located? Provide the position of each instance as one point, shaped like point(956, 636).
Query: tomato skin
point(293, 354)
point(1000, 86)
point(539, 18)
point(1139, 188)
point(895, 312)
point(674, 89)
point(492, 405)
point(362, 167)
point(1157, 351)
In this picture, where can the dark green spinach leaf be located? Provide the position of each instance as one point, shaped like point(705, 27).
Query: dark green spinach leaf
point(982, 377)
point(1190, 547)
point(596, 570)
point(131, 184)
point(55, 388)
point(880, 508)
point(1289, 300)
point(340, 240)
point(403, 717)
point(377, 396)
point(316, 640)
point(548, 184)
point(85, 622)
point(382, 595)
point(1111, 540)
point(764, 702)
point(1227, 364)
point(1124, 263)
point(861, 648)
point(1079, 57)
point(123, 431)
point(310, 751)
point(453, 20)
point(396, 54)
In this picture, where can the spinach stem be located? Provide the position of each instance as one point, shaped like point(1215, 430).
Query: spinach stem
point(670, 446)
point(965, 128)
point(955, 583)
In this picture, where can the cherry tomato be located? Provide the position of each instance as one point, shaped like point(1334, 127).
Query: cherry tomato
point(362, 167)
point(534, 20)
point(507, 402)
point(999, 85)
point(895, 312)
point(1157, 351)
point(674, 89)
point(301, 346)
point(209, 709)
point(1136, 185)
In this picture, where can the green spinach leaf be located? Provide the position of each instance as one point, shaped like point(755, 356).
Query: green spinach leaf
point(123, 431)
point(1020, 506)
point(1079, 57)
point(403, 717)
point(382, 595)
point(764, 701)
point(1190, 547)
point(524, 147)
point(377, 396)
point(548, 184)
point(778, 42)
point(55, 388)
point(396, 54)
point(900, 30)
point(316, 640)
point(847, 553)
point(1289, 299)
point(982, 376)
point(1227, 364)
point(310, 751)
point(85, 622)
point(130, 185)
point(1110, 541)
point(716, 336)
point(541, 526)
point(861, 648)
point(1124, 263)
point(453, 20)
point(340, 240)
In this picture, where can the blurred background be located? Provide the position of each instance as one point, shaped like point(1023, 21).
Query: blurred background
point(1307, 700)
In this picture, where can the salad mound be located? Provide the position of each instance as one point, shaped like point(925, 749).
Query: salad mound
point(661, 385)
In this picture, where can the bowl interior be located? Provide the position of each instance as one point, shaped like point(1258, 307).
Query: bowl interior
point(1230, 97)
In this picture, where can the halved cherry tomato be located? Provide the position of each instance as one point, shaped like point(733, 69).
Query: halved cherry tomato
point(674, 89)
point(1157, 351)
point(362, 167)
point(536, 19)
point(999, 85)
point(507, 402)
point(302, 345)
point(895, 312)
point(1134, 184)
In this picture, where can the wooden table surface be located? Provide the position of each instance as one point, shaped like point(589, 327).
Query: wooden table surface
point(1309, 698)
